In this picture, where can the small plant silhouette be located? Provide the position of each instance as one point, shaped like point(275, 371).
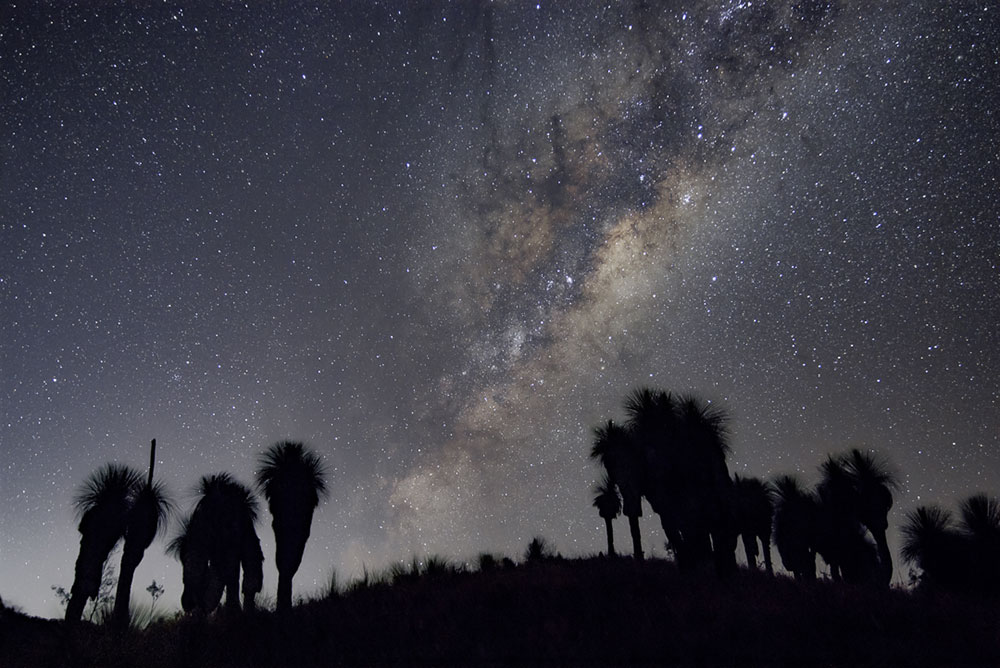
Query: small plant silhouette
point(155, 591)
point(538, 550)
point(61, 594)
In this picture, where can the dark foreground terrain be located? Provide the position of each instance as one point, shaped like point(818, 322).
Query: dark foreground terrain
point(562, 612)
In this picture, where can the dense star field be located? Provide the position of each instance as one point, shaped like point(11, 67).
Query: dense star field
point(439, 242)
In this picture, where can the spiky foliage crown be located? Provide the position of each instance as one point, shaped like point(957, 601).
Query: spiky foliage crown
point(752, 486)
point(226, 486)
point(836, 484)
point(608, 439)
point(788, 489)
point(980, 517)
point(606, 498)
point(112, 484)
point(175, 548)
point(833, 470)
point(647, 406)
point(158, 501)
point(705, 421)
point(925, 528)
point(653, 417)
point(869, 469)
point(288, 466)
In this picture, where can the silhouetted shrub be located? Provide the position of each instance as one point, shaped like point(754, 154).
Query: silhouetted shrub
point(486, 562)
point(538, 550)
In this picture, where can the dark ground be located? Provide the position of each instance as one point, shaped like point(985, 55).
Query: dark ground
point(556, 612)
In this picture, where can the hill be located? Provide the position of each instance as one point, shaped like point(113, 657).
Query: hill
point(557, 612)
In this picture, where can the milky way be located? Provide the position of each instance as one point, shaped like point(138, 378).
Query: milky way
point(439, 243)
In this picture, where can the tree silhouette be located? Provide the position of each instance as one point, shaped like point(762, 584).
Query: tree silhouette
point(956, 556)
point(873, 481)
point(147, 517)
point(932, 543)
point(609, 506)
point(855, 495)
point(538, 550)
point(618, 453)
point(103, 501)
point(292, 480)
point(708, 487)
point(686, 480)
point(795, 518)
point(979, 526)
point(215, 540)
point(837, 520)
point(651, 427)
point(753, 510)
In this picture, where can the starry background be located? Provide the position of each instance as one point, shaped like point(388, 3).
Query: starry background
point(440, 241)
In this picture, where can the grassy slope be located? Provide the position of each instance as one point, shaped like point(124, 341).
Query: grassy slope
point(575, 612)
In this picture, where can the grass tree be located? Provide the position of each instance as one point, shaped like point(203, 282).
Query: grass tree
point(103, 502)
point(215, 541)
point(615, 449)
point(979, 526)
point(753, 509)
point(931, 542)
point(292, 479)
point(795, 520)
point(147, 517)
point(682, 442)
point(609, 506)
point(873, 480)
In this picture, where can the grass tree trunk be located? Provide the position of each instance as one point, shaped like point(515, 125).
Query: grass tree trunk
point(74, 610)
point(230, 572)
point(750, 549)
point(633, 525)
point(766, 549)
point(884, 559)
point(291, 542)
point(252, 562)
point(123, 595)
point(284, 601)
point(287, 559)
point(290, 536)
point(89, 569)
point(611, 536)
point(141, 530)
point(809, 574)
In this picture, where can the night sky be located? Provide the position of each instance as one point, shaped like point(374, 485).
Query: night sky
point(439, 242)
